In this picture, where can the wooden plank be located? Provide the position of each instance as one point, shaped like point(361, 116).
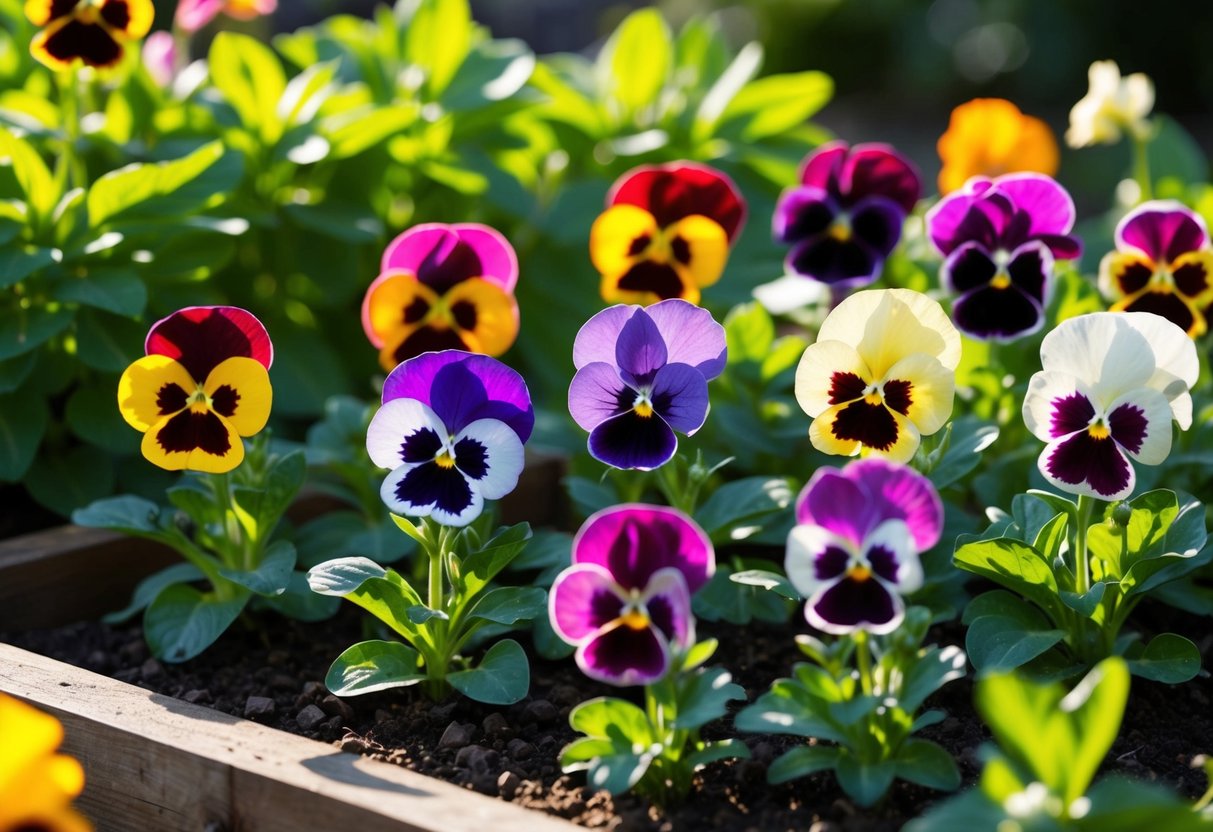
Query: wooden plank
point(156, 763)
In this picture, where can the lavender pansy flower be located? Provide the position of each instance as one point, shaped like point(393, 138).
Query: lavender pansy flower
point(846, 215)
point(641, 375)
point(451, 428)
point(854, 551)
point(626, 600)
point(1000, 238)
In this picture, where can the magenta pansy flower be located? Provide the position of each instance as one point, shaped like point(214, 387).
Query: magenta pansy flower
point(643, 374)
point(854, 550)
point(846, 215)
point(192, 15)
point(160, 57)
point(1000, 238)
point(626, 600)
point(451, 429)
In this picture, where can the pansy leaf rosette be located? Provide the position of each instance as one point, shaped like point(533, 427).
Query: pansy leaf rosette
point(93, 32)
point(666, 233)
point(846, 215)
point(203, 385)
point(1162, 264)
point(626, 600)
point(854, 551)
point(642, 374)
point(451, 429)
point(443, 287)
point(1000, 239)
point(881, 374)
point(1110, 385)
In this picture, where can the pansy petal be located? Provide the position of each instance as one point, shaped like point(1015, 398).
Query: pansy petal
point(133, 18)
point(595, 341)
point(877, 221)
point(893, 557)
point(868, 320)
point(42, 12)
point(618, 236)
point(151, 388)
point(192, 15)
point(680, 397)
point(68, 39)
point(1081, 464)
point(596, 394)
point(485, 314)
point(1140, 422)
point(240, 392)
point(1193, 275)
point(837, 503)
point(1176, 364)
point(1057, 404)
point(430, 490)
point(584, 598)
point(633, 542)
point(822, 168)
point(852, 604)
point(648, 281)
point(1046, 202)
point(412, 341)
point(674, 191)
point(632, 441)
point(834, 261)
point(946, 218)
point(195, 439)
point(439, 256)
point(404, 430)
point(699, 246)
point(1165, 304)
point(668, 601)
point(878, 169)
point(829, 373)
point(640, 350)
point(489, 453)
point(1123, 273)
point(801, 213)
point(899, 492)
point(816, 557)
point(1162, 230)
point(922, 389)
point(845, 429)
point(991, 313)
point(968, 267)
point(498, 261)
point(621, 655)
point(203, 337)
point(1104, 350)
point(692, 336)
point(393, 301)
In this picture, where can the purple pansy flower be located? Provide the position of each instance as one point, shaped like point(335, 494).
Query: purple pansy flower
point(451, 428)
point(626, 600)
point(1000, 238)
point(641, 375)
point(854, 551)
point(1110, 385)
point(846, 215)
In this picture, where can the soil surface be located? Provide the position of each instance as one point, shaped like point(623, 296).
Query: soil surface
point(274, 676)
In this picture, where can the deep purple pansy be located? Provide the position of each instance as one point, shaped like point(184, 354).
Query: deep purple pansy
point(1109, 387)
point(846, 215)
point(641, 375)
point(626, 600)
point(854, 550)
point(451, 428)
point(1000, 238)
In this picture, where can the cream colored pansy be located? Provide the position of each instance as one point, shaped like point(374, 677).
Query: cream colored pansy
point(1111, 106)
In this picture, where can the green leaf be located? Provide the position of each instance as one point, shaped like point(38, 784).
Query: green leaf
point(306, 92)
point(15, 371)
point(616, 773)
point(132, 515)
point(969, 437)
point(636, 60)
point(1119, 804)
point(503, 676)
point(749, 333)
point(91, 415)
point(705, 696)
point(718, 97)
point(260, 509)
point(181, 186)
point(250, 77)
point(790, 708)
point(300, 603)
point(967, 812)
point(120, 291)
point(1006, 632)
point(1012, 564)
point(19, 261)
point(771, 581)
point(776, 104)
point(1168, 658)
point(28, 329)
point(731, 749)
point(273, 573)
point(494, 71)
point(699, 653)
point(23, 422)
point(801, 762)
point(438, 39)
point(39, 186)
point(182, 622)
point(151, 586)
point(353, 132)
point(419, 614)
point(482, 566)
point(865, 783)
point(928, 673)
point(613, 719)
point(55, 479)
point(107, 343)
point(737, 509)
point(371, 666)
point(342, 576)
point(589, 495)
point(510, 604)
point(927, 764)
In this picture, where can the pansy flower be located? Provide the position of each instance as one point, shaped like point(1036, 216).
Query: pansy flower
point(203, 384)
point(451, 430)
point(881, 374)
point(160, 57)
point(192, 15)
point(36, 784)
point(1109, 387)
point(1112, 104)
point(846, 215)
point(626, 600)
point(990, 137)
point(854, 550)
point(443, 287)
point(665, 233)
point(93, 31)
point(1162, 264)
point(643, 374)
point(999, 238)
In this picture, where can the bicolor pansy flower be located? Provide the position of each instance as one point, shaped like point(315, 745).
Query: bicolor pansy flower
point(1000, 238)
point(846, 215)
point(643, 374)
point(91, 31)
point(443, 287)
point(881, 374)
point(854, 550)
point(990, 137)
point(451, 429)
point(37, 784)
point(626, 600)
point(192, 15)
point(665, 233)
point(1110, 385)
point(1162, 264)
point(203, 384)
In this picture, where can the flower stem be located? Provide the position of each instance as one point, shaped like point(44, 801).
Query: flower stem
point(435, 553)
point(1141, 169)
point(68, 170)
point(863, 660)
point(1082, 561)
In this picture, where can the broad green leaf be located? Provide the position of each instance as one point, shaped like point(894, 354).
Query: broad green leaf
point(28, 329)
point(177, 187)
point(371, 666)
point(615, 719)
point(503, 676)
point(299, 602)
point(419, 614)
point(151, 586)
point(352, 132)
point(482, 566)
point(1168, 658)
point(616, 773)
point(1012, 564)
point(120, 291)
point(389, 599)
point(494, 71)
point(967, 812)
point(55, 479)
point(778, 103)
point(182, 622)
point(91, 415)
point(928, 673)
point(636, 60)
point(705, 696)
point(739, 73)
point(738, 603)
point(132, 515)
point(306, 92)
point(18, 261)
point(260, 509)
point(1119, 804)
point(438, 39)
point(34, 177)
point(1004, 642)
point(731, 749)
point(737, 509)
point(250, 77)
point(771, 581)
point(589, 495)
point(699, 653)
point(789, 708)
point(23, 422)
point(107, 343)
point(749, 332)
point(968, 439)
point(342, 534)
point(510, 604)
point(15, 371)
point(343, 575)
point(801, 762)
point(273, 573)
point(927, 764)
point(865, 783)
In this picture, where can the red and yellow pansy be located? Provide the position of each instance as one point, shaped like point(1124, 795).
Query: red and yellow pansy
point(36, 784)
point(91, 31)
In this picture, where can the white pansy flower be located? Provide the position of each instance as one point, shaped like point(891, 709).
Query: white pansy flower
point(1112, 104)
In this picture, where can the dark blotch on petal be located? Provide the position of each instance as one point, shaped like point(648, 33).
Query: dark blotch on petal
point(421, 446)
point(639, 245)
point(831, 563)
point(633, 441)
point(681, 250)
point(464, 313)
point(89, 42)
point(846, 387)
point(1027, 271)
point(661, 613)
point(832, 261)
point(878, 223)
point(225, 400)
point(807, 218)
point(472, 458)
point(117, 14)
point(429, 339)
point(1098, 462)
point(972, 268)
point(884, 563)
point(869, 424)
point(1191, 279)
point(605, 607)
point(448, 264)
point(897, 395)
point(1071, 413)
point(431, 484)
point(996, 313)
point(416, 310)
point(61, 8)
point(850, 603)
point(648, 276)
point(1132, 277)
point(204, 339)
point(623, 649)
point(1128, 426)
point(1167, 305)
point(190, 430)
point(171, 398)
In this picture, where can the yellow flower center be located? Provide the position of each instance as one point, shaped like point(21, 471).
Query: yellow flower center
point(445, 460)
point(88, 13)
point(635, 618)
point(859, 573)
point(1099, 431)
point(643, 407)
point(1162, 280)
point(840, 229)
point(1000, 281)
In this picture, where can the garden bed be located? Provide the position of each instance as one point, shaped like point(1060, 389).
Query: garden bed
point(141, 738)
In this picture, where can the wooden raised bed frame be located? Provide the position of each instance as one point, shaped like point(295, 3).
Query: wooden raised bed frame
point(156, 763)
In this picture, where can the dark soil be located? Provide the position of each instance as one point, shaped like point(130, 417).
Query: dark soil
point(274, 676)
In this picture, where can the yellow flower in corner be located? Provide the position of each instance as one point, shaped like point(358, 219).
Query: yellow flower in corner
point(881, 375)
point(990, 137)
point(36, 784)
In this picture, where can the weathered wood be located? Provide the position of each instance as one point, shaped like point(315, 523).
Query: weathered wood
point(156, 763)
